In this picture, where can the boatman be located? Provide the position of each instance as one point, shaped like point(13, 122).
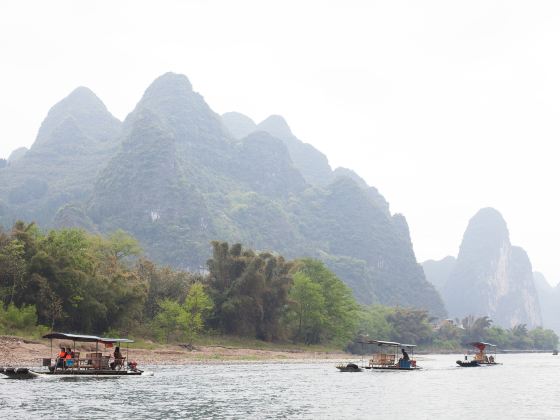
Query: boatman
point(404, 355)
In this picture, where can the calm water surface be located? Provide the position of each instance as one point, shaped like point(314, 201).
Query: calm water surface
point(525, 387)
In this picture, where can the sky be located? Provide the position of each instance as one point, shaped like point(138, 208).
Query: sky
point(445, 106)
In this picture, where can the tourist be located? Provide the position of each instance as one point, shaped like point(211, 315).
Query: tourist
point(61, 357)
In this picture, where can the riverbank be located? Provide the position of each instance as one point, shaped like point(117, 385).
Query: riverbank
point(18, 351)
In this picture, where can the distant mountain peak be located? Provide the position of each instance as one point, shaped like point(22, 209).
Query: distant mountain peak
point(277, 126)
point(239, 125)
point(487, 223)
point(83, 95)
point(491, 277)
point(169, 83)
point(89, 113)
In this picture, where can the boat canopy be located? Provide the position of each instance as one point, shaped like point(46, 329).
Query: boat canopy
point(116, 340)
point(386, 343)
point(481, 346)
point(86, 338)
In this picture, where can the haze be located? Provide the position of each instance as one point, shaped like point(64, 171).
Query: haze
point(445, 107)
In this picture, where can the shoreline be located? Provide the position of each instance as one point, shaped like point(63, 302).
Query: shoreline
point(23, 352)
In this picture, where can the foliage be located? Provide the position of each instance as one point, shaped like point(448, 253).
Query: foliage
point(330, 304)
point(249, 290)
point(23, 320)
point(308, 313)
point(403, 325)
point(196, 309)
point(183, 321)
point(69, 278)
point(72, 280)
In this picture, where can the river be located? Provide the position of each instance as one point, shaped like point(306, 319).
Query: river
point(524, 387)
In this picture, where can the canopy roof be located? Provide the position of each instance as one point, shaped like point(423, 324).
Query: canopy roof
point(116, 340)
point(481, 346)
point(86, 338)
point(386, 343)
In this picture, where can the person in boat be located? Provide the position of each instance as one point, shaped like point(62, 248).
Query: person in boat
point(404, 355)
point(69, 356)
point(61, 357)
point(118, 358)
point(491, 359)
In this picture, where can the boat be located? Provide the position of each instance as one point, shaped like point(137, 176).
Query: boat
point(94, 363)
point(480, 358)
point(349, 367)
point(391, 355)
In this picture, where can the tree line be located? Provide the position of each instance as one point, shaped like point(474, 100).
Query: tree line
point(72, 280)
point(75, 281)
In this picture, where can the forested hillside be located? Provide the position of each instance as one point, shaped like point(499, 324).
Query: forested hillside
point(71, 280)
point(177, 176)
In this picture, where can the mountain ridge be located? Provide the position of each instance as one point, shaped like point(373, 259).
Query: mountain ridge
point(175, 177)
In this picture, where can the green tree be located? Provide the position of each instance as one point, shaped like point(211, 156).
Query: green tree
point(410, 326)
point(12, 270)
point(475, 328)
point(195, 311)
point(520, 337)
point(340, 308)
point(250, 291)
point(543, 339)
point(168, 319)
point(308, 309)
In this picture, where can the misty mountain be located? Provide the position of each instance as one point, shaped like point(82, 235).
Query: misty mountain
point(490, 277)
point(313, 165)
point(17, 154)
point(177, 175)
point(549, 299)
point(438, 272)
point(75, 141)
point(239, 125)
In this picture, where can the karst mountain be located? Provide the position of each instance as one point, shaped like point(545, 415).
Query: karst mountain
point(177, 175)
point(490, 277)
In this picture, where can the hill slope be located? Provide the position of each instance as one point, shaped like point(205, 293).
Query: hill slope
point(176, 177)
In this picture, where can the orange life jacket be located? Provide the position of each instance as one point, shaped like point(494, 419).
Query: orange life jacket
point(62, 354)
point(68, 356)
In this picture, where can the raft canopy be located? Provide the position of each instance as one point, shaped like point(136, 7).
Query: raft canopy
point(481, 345)
point(386, 343)
point(85, 338)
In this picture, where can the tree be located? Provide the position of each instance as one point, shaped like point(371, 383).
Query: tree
point(250, 291)
point(410, 326)
point(475, 328)
point(373, 322)
point(308, 309)
point(12, 270)
point(195, 310)
point(340, 308)
point(520, 337)
point(167, 320)
point(543, 339)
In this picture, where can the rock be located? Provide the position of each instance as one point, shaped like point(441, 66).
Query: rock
point(491, 277)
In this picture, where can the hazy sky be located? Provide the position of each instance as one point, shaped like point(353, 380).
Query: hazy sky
point(444, 106)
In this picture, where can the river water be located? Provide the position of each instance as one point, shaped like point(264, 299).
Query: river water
point(525, 387)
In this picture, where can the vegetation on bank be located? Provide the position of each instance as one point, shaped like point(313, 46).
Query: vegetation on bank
point(71, 280)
